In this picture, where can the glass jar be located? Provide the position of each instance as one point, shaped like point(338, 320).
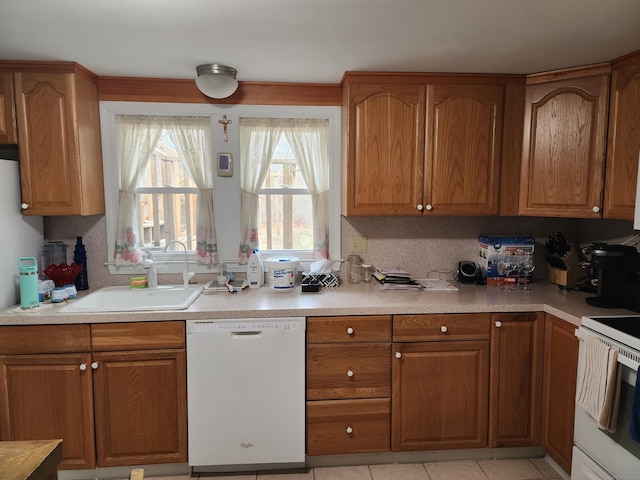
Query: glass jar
point(354, 268)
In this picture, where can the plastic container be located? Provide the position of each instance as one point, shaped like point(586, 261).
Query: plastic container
point(281, 273)
point(255, 270)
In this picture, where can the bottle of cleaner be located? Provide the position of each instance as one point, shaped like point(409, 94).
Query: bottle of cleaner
point(255, 270)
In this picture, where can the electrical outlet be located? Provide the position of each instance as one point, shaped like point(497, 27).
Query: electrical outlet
point(358, 244)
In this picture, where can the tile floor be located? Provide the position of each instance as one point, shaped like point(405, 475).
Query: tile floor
point(520, 469)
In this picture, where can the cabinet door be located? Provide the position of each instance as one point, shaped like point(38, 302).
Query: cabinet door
point(559, 389)
point(45, 397)
point(140, 407)
point(464, 125)
point(48, 149)
point(516, 375)
point(563, 147)
point(385, 149)
point(624, 143)
point(8, 133)
point(440, 395)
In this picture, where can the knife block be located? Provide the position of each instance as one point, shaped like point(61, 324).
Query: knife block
point(571, 274)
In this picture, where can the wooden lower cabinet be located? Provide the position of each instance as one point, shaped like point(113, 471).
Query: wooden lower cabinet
point(114, 393)
point(559, 389)
point(440, 395)
point(516, 376)
point(140, 412)
point(348, 426)
point(348, 384)
point(46, 397)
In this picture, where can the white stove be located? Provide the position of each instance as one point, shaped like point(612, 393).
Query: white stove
point(596, 453)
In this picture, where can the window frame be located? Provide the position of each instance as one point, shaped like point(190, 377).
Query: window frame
point(173, 262)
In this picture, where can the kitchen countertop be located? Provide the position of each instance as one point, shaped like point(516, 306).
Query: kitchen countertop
point(30, 460)
point(347, 299)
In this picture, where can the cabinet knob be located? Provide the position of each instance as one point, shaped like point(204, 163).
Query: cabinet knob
point(398, 355)
point(349, 430)
point(429, 207)
point(444, 329)
point(83, 366)
point(24, 206)
point(420, 207)
point(498, 324)
point(349, 373)
point(596, 209)
point(94, 365)
point(350, 331)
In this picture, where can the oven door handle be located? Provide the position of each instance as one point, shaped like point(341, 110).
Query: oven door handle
point(622, 358)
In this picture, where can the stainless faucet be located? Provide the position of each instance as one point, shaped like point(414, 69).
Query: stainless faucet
point(186, 275)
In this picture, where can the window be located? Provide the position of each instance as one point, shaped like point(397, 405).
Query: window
point(285, 185)
point(284, 205)
point(165, 195)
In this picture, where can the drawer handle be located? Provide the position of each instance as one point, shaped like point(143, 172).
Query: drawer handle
point(349, 430)
point(444, 329)
point(349, 373)
point(398, 355)
point(498, 324)
point(350, 331)
point(83, 366)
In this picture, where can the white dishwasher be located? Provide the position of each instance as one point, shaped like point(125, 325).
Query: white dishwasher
point(246, 394)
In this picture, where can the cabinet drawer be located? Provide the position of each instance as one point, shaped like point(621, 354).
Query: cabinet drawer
point(348, 426)
point(373, 328)
point(107, 337)
point(37, 339)
point(421, 328)
point(355, 371)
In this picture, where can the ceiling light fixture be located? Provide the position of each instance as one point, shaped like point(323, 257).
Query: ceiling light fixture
point(216, 81)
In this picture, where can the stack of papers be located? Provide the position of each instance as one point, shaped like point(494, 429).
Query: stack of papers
point(396, 279)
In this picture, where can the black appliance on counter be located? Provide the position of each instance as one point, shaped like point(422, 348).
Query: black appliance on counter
point(618, 270)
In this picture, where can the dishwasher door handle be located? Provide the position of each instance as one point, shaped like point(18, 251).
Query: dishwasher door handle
point(249, 333)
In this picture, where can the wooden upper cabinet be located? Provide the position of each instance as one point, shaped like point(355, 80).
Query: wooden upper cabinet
point(8, 132)
point(59, 140)
point(383, 171)
point(420, 144)
point(623, 148)
point(564, 139)
point(464, 125)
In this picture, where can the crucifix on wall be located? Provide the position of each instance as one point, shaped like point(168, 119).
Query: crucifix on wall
point(225, 122)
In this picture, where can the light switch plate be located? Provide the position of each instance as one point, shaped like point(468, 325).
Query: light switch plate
point(357, 244)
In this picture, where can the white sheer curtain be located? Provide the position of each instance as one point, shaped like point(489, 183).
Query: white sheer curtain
point(309, 139)
point(258, 140)
point(137, 137)
point(191, 136)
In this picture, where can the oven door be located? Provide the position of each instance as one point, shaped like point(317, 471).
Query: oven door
point(616, 453)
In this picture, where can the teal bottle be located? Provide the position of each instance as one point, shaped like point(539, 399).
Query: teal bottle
point(80, 257)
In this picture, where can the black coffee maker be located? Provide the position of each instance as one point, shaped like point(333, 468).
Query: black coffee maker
point(618, 270)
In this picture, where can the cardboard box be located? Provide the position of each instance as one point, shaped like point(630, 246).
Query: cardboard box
point(494, 248)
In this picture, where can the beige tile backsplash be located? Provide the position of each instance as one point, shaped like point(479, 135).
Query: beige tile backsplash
point(417, 244)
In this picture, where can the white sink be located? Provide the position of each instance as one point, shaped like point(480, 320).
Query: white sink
point(127, 299)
